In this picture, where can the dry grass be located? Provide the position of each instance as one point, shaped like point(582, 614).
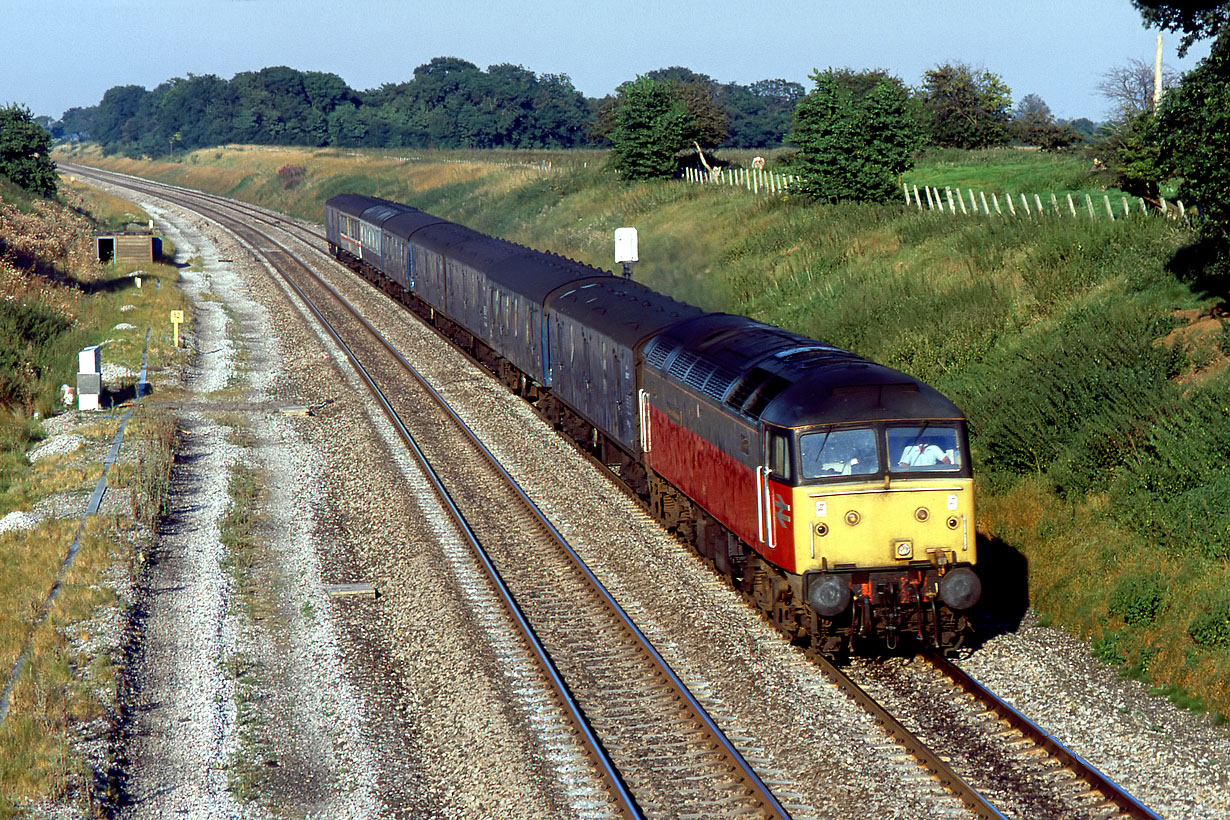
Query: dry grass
point(68, 678)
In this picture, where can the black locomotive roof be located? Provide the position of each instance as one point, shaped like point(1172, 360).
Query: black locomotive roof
point(621, 309)
point(352, 204)
point(787, 379)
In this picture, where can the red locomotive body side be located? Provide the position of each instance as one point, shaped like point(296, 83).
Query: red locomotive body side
point(720, 484)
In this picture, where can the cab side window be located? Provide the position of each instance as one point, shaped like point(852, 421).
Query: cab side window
point(779, 455)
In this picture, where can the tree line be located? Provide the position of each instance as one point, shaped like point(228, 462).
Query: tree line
point(448, 103)
point(452, 103)
point(855, 132)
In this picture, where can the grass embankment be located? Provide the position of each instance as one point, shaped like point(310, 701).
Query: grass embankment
point(1087, 354)
point(56, 301)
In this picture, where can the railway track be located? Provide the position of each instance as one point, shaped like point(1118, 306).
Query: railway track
point(658, 751)
point(1042, 778)
point(975, 740)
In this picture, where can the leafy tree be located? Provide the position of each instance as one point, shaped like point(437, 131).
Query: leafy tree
point(650, 126)
point(76, 124)
point(116, 121)
point(1197, 19)
point(1194, 128)
point(25, 151)
point(967, 109)
point(1130, 156)
point(1033, 124)
point(1083, 126)
point(854, 141)
point(707, 121)
point(759, 114)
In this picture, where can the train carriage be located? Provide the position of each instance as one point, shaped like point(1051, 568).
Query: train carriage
point(342, 217)
point(596, 327)
point(520, 287)
point(399, 231)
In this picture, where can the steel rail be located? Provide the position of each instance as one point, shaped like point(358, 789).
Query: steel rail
point(609, 772)
point(912, 744)
point(1111, 792)
point(760, 790)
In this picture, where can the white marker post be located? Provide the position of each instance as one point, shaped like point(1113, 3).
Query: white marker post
point(625, 249)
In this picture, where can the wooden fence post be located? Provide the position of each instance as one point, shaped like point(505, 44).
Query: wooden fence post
point(1109, 212)
point(930, 204)
point(995, 199)
point(1143, 210)
point(1182, 213)
point(1025, 204)
point(961, 200)
point(1055, 204)
point(1089, 202)
point(951, 209)
point(1011, 207)
point(985, 209)
point(917, 201)
point(1126, 211)
point(1071, 205)
point(1038, 202)
point(1163, 206)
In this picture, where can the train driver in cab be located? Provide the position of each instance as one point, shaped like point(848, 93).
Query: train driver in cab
point(924, 454)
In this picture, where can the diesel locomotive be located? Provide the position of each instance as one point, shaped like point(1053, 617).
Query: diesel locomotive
point(835, 492)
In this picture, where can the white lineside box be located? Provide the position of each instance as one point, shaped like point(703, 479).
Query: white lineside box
point(89, 378)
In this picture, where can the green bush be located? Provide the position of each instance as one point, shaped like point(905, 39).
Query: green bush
point(1211, 627)
point(31, 347)
point(1138, 598)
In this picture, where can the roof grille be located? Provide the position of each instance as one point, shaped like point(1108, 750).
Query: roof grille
point(656, 353)
point(682, 364)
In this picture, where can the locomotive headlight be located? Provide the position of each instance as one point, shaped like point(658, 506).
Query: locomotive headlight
point(822, 529)
point(853, 517)
point(922, 514)
point(960, 588)
point(903, 549)
point(953, 522)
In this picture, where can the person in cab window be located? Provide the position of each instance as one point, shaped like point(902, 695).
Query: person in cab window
point(923, 455)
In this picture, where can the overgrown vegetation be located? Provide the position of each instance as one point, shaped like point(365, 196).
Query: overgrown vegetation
point(55, 300)
point(1092, 364)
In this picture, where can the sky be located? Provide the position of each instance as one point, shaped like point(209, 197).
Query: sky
point(59, 54)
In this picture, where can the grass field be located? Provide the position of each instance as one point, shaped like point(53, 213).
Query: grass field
point(1090, 356)
point(56, 301)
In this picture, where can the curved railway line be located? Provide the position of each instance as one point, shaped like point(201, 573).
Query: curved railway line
point(656, 750)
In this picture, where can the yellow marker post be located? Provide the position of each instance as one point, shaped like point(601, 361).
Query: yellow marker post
point(177, 316)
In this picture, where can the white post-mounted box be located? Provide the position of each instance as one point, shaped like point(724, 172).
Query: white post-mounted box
point(625, 245)
point(89, 378)
point(89, 360)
